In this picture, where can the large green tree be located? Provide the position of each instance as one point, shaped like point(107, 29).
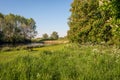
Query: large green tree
point(15, 28)
point(94, 21)
point(112, 8)
point(84, 13)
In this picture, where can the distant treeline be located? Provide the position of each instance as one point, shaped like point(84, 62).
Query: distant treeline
point(53, 36)
point(95, 21)
point(16, 29)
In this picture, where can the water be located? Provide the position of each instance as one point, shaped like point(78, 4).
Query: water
point(28, 45)
point(35, 44)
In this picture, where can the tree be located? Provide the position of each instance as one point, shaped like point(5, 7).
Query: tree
point(54, 35)
point(84, 13)
point(115, 6)
point(15, 28)
point(94, 21)
point(45, 36)
point(112, 8)
point(1, 27)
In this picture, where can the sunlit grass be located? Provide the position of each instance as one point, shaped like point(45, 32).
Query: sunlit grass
point(6, 56)
point(51, 48)
point(61, 62)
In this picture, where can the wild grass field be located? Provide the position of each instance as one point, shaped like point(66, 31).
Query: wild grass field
point(61, 62)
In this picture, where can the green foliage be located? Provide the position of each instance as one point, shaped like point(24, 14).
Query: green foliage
point(84, 13)
point(45, 36)
point(54, 35)
point(15, 28)
point(70, 62)
point(94, 21)
point(115, 6)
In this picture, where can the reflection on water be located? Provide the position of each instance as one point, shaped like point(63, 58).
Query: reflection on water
point(35, 44)
point(28, 45)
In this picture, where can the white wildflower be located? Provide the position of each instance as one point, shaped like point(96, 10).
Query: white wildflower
point(38, 75)
point(95, 50)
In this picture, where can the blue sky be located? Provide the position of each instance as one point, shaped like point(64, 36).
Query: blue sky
point(50, 15)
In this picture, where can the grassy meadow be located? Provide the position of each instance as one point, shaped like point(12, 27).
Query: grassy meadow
point(61, 62)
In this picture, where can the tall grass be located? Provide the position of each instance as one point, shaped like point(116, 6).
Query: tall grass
point(70, 62)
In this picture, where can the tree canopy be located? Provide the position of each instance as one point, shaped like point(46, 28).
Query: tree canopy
point(15, 28)
point(95, 21)
point(54, 35)
point(45, 36)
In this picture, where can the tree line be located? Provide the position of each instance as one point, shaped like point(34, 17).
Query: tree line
point(16, 29)
point(53, 36)
point(95, 21)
